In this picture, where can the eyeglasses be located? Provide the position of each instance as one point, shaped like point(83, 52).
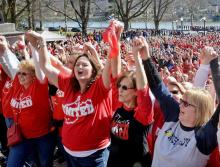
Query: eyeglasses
point(22, 73)
point(124, 87)
point(174, 92)
point(185, 103)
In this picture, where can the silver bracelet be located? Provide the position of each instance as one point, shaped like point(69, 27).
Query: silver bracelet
point(40, 44)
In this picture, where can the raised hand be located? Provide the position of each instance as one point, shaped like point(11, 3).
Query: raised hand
point(3, 45)
point(35, 39)
point(137, 45)
point(129, 58)
point(87, 46)
point(207, 54)
point(145, 53)
point(92, 53)
point(118, 29)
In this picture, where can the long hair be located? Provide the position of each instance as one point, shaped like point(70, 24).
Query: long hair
point(95, 72)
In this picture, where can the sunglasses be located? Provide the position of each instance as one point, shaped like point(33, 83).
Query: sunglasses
point(124, 87)
point(174, 92)
point(185, 103)
point(22, 73)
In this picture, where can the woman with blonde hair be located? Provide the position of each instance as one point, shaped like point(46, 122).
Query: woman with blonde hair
point(29, 106)
point(188, 135)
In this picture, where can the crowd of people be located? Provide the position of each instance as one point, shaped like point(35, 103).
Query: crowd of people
point(111, 99)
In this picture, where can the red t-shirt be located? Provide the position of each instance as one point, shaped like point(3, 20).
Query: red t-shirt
point(58, 114)
point(157, 125)
point(214, 160)
point(7, 91)
point(33, 106)
point(2, 83)
point(87, 116)
point(57, 101)
point(57, 106)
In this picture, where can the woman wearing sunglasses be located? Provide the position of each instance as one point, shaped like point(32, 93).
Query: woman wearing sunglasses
point(133, 115)
point(188, 135)
point(21, 98)
point(29, 106)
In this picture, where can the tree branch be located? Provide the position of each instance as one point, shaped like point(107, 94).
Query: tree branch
point(142, 9)
point(59, 11)
point(119, 9)
point(21, 11)
point(88, 10)
point(76, 11)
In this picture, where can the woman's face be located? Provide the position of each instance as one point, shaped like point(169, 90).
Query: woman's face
point(25, 77)
point(187, 115)
point(83, 69)
point(174, 90)
point(126, 91)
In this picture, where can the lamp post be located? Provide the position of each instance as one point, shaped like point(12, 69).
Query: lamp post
point(181, 19)
point(65, 18)
point(172, 25)
point(175, 25)
point(55, 14)
point(147, 12)
point(204, 22)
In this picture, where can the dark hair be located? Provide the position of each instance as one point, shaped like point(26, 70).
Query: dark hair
point(95, 70)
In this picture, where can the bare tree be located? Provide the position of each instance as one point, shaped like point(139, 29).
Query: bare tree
point(52, 6)
point(159, 9)
point(29, 14)
point(34, 13)
point(4, 9)
point(12, 9)
point(193, 8)
point(130, 9)
point(81, 12)
point(40, 14)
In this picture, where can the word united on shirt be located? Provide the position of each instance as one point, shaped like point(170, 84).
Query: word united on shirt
point(77, 109)
point(21, 103)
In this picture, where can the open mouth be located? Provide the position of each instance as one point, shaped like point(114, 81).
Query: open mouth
point(80, 72)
